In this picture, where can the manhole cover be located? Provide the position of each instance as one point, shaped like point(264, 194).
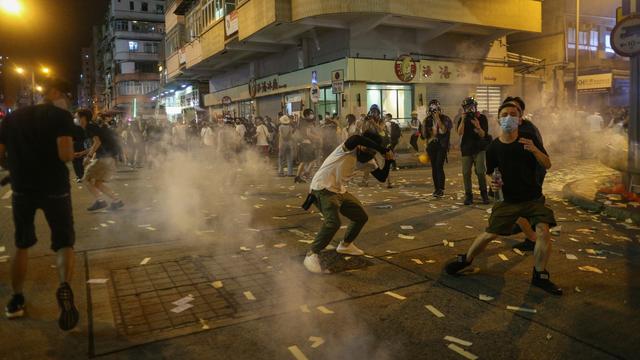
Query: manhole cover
point(144, 297)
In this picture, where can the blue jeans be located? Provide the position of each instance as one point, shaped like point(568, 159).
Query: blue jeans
point(285, 152)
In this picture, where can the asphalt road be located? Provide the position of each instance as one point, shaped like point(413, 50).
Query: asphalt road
point(231, 235)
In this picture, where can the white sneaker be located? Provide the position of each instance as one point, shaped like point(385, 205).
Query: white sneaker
point(349, 250)
point(312, 263)
point(330, 247)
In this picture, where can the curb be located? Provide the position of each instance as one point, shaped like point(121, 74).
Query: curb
point(596, 206)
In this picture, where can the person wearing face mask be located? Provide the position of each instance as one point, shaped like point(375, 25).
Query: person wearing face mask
point(473, 128)
point(436, 130)
point(328, 188)
point(527, 127)
point(35, 143)
point(516, 156)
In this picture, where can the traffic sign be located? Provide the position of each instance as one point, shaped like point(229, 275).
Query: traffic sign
point(315, 93)
point(625, 37)
point(337, 81)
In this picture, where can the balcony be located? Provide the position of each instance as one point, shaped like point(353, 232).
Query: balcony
point(138, 76)
point(136, 56)
point(137, 15)
point(156, 36)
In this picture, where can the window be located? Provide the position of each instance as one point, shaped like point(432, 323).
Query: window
point(131, 6)
point(328, 102)
point(121, 25)
point(582, 38)
point(160, 9)
point(133, 46)
point(607, 44)
point(136, 87)
point(145, 6)
point(593, 40)
point(396, 100)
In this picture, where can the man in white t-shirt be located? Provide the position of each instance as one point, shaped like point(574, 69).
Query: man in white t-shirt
point(331, 197)
point(262, 136)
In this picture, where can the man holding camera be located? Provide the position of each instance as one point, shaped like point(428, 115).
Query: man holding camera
point(473, 128)
point(436, 130)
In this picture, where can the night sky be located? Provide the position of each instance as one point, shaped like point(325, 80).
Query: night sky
point(51, 33)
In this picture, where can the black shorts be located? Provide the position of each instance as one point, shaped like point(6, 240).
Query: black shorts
point(58, 212)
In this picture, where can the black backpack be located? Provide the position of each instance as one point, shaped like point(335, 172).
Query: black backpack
point(396, 132)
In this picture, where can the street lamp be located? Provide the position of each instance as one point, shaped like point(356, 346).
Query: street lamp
point(45, 70)
point(12, 7)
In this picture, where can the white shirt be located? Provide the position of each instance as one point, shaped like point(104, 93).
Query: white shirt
point(262, 135)
point(207, 136)
point(240, 131)
point(337, 169)
point(595, 122)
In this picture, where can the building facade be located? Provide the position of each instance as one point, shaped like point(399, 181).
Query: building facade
point(603, 76)
point(85, 86)
point(267, 56)
point(130, 48)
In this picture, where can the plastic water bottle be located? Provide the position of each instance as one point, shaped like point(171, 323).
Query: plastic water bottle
point(497, 178)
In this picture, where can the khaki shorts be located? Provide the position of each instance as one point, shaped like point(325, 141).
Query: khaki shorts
point(100, 169)
point(504, 216)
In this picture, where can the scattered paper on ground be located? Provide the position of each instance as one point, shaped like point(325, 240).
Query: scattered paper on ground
point(297, 353)
point(484, 297)
point(406, 227)
point(457, 341)
point(97, 281)
point(397, 296)
point(417, 261)
point(249, 295)
point(462, 352)
point(305, 308)
point(151, 228)
point(205, 324)
point(280, 245)
point(279, 217)
point(181, 308)
point(522, 309)
point(2, 249)
point(324, 310)
point(589, 268)
point(316, 341)
point(217, 284)
point(503, 257)
point(441, 224)
point(571, 257)
point(145, 261)
point(184, 300)
point(517, 251)
point(434, 311)
point(407, 237)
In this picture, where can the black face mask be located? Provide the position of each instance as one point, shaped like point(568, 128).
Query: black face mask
point(364, 157)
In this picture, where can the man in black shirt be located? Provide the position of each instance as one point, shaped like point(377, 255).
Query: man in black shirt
point(35, 144)
point(436, 130)
point(101, 156)
point(516, 156)
point(79, 138)
point(473, 127)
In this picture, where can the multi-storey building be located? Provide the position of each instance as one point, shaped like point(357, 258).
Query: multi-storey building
point(603, 76)
point(85, 86)
point(266, 56)
point(131, 52)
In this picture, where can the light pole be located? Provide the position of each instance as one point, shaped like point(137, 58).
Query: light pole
point(577, 41)
point(12, 7)
point(45, 70)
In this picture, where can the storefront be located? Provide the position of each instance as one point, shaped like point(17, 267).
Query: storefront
point(397, 86)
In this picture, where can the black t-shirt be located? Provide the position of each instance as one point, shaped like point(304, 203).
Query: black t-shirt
point(30, 136)
point(518, 167)
point(472, 142)
point(529, 128)
point(79, 138)
point(108, 145)
point(428, 131)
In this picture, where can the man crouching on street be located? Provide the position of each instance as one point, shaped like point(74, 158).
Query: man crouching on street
point(328, 186)
point(516, 156)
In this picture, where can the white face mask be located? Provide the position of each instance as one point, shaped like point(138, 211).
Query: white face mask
point(61, 103)
point(76, 121)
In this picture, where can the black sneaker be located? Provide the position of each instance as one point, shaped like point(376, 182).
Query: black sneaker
point(526, 245)
point(68, 313)
point(15, 307)
point(99, 204)
point(485, 198)
point(543, 281)
point(116, 205)
point(468, 199)
point(438, 193)
point(456, 266)
point(299, 180)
